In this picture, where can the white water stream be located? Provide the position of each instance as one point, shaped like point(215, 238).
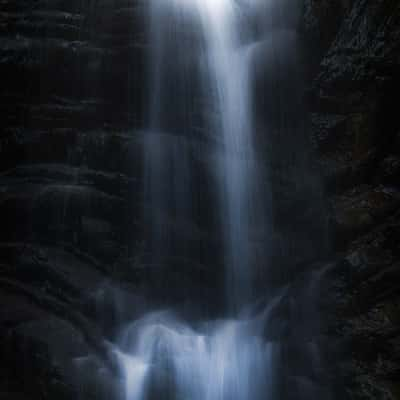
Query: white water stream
point(163, 357)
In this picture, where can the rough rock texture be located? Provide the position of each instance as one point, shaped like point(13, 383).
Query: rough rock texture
point(356, 134)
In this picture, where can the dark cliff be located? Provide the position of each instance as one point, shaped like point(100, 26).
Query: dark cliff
point(356, 135)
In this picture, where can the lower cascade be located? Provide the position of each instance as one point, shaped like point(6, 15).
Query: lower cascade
point(165, 358)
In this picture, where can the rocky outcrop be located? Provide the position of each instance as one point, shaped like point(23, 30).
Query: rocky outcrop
point(355, 132)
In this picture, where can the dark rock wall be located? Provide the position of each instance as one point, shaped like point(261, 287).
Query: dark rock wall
point(355, 131)
point(73, 91)
point(70, 153)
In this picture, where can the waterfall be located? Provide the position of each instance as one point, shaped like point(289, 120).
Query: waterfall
point(229, 66)
point(206, 45)
point(224, 64)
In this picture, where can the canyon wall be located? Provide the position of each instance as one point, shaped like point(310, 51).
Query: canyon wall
point(73, 89)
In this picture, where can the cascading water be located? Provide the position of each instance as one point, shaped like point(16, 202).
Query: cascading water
point(222, 60)
point(224, 360)
point(229, 65)
point(161, 356)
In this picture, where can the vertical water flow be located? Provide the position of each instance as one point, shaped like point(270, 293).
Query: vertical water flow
point(166, 141)
point(229, 70)
point(163, 357)
point(226, 77)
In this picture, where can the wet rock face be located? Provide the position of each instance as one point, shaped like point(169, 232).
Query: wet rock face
point(355, 132)
point(96, 49)
point(321, 22)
